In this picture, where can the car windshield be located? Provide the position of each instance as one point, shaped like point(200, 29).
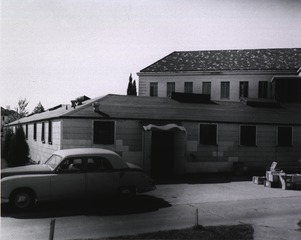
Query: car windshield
point(53, 161)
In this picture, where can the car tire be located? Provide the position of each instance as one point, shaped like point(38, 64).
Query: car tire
point(22, 199)
point(127, 192)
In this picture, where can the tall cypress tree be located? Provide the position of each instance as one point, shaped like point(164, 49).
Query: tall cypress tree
point(130, 86)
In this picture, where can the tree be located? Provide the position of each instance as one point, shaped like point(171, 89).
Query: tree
point(131, 90)
point(39, 108)
point(18, 153)
point(21, 109)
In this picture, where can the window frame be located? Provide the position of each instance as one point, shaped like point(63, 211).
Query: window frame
point(291, 136)
point(216, 134)
point(113, 137)
point(244, 89)
point(240, 136)
point(206, 88)
point(153, 89)
point(188, 87)
point(50, 131)
point(170, 87)
point(35, 131)
point(264, 84)
point(226, 90)
point(43, 132)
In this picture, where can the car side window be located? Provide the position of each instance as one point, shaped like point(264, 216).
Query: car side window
point(95, 164)
point(72, 165)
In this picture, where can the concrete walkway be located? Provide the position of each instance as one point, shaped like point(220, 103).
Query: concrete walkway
point(274, 213)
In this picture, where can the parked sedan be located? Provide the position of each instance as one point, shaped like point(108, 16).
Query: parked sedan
point(73, 173)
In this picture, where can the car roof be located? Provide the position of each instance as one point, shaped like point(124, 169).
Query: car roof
point(83, 151)
point(115, 159)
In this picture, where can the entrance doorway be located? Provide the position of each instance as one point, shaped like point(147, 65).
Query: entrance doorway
point(162, 153)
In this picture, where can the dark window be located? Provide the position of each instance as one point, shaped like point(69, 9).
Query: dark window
point(262, 89)
point(35, 131)
point(49, 132)
point(153, 89)
point(104, 132)
point(285, 136)
point(72, 165)
point(26, 131)
point(243, 89)
point(206, 88)
point(225, 90)
point(43, 132)
point(248, 135)
point(188, 87)
point(171, 86)
point(208, 134)
point(98, 164)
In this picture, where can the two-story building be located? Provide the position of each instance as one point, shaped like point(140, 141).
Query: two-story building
point(226, 75)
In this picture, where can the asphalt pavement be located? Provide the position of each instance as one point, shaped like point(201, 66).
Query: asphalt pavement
point(273, 213)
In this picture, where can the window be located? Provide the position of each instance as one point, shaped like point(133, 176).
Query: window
point(98, 164)
point(26, 131)
point(43, 133)
point(104, 132)
point(285, 136)
point(171, 86)
point(49, 132)
point(262, 89)
point(225, 90)
point(188, 87)
point(71, 165)
point(207, 134)
point(243, 89)
point(206, 88)
point(35, 131)
point(248, 135)
point(153, 89)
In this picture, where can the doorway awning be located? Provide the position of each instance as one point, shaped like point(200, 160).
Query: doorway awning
point(168, 127)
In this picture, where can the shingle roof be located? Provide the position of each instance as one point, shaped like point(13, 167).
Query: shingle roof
point(288, 59)
point(166, 109)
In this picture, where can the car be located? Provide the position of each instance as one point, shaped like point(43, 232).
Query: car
point(74, 174)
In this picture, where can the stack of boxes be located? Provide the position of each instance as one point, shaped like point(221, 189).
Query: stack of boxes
point(275, 178)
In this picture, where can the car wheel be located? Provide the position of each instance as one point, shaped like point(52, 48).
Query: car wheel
point(22, 199)
point(126, 193)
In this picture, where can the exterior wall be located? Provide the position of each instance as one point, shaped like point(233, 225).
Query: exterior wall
point(198, 79)
point(220, 158)
point(41, 151)
point(128, 137)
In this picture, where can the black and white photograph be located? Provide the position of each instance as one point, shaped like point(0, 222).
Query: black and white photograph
point(138, 119)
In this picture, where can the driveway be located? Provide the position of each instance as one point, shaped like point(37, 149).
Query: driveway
point(274, 213)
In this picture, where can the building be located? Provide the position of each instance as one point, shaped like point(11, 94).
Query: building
point(226, 75)
point(166, 136)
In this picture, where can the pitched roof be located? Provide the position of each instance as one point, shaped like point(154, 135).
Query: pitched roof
point(287, 59)
point(166, 109)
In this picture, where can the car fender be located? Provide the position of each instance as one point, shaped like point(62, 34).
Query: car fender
point(39, 183)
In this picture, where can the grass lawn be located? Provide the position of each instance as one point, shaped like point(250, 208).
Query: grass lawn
point(215, 232)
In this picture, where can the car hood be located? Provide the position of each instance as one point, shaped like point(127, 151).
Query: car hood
point(26, 170)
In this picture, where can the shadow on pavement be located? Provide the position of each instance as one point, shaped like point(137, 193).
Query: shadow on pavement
point(204, 178)
point(103, 207)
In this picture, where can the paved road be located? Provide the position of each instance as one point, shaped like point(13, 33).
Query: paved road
point(274, 213)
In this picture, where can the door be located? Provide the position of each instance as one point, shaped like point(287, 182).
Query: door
point(162, 154)
point(69, 182)
point(101, 178)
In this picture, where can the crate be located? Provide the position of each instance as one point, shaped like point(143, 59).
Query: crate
point(259, 180)
point(270, 184)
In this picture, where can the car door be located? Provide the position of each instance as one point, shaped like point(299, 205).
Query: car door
point(102, 179)
point(69, 182)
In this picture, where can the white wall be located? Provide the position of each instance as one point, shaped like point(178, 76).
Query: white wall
point(198, 80)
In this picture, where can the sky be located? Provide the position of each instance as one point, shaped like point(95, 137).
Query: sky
point(53, 51)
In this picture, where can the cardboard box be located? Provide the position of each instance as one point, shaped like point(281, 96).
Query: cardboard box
point(271, 184)
point(259, 180)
